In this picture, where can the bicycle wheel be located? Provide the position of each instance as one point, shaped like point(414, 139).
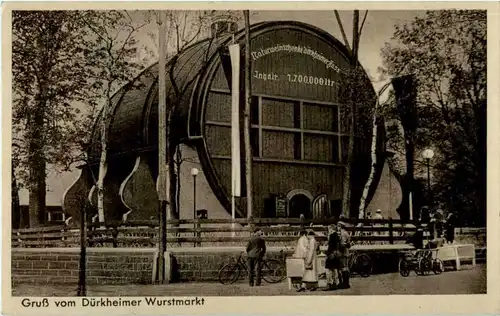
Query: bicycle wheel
point(363, 265)
point(229, 273)
point(404, 267)
point(424, 266)
point(437, 266)
point(273, 271)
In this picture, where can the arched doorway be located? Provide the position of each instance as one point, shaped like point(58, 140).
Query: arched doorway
point(299, 202)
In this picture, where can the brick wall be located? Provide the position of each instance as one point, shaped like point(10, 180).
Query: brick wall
point(37, 267)
point(61, 266)
point(204, 266)
point(116, 266)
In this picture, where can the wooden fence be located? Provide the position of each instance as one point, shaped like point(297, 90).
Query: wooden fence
point(210, 232)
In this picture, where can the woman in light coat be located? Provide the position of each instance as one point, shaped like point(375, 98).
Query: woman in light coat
point(301, 248)
point(310, 277)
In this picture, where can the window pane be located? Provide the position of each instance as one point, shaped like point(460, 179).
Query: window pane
point(278, 145)
point(319, 148)
point(278, 113)
point(320, 117)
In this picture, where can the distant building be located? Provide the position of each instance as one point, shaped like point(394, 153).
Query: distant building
point(57, 183)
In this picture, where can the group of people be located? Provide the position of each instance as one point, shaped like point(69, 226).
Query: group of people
point(307, 249)
point(440, 226)
point(337, 260)
point(337, 267)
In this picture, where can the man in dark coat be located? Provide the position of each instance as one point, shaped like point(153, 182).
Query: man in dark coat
point(450, 228)
point(256, 249)
point(345, 244)
point(333, 255)
point(417, 239)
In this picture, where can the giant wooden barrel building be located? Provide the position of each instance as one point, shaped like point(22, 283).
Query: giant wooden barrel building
point(299, 127)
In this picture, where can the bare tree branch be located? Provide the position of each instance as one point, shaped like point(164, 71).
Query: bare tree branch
point(341, 27)
point(363, 23)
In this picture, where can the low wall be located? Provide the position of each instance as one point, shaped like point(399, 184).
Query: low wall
point(61, 265)
point(118, 265)
point(134, 265)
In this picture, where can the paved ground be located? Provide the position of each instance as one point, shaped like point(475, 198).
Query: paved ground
point(469, 281)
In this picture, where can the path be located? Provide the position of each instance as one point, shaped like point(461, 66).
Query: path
point(467, 281)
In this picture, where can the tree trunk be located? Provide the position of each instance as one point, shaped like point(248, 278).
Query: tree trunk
point(246, 129)
point(410, 182)
point(174, 214)
point(346, 197)
point(164, 143)
point(16, 209)
point(178, 163)
point(103, 163)
point(37, 165)
point(362, 202)
point(346, 188)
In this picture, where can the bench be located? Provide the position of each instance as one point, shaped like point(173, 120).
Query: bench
point(457, 253)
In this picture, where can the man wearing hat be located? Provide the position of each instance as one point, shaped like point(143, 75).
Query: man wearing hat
point(256, 249)
point(345, 244)
point(378, 214)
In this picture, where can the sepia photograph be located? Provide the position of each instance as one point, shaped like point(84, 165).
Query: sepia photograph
point(200, 153)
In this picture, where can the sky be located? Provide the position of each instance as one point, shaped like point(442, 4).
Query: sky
point(378, 29)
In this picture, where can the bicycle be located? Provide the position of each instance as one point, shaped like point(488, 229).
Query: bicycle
point(273, 270)
point(360, 263)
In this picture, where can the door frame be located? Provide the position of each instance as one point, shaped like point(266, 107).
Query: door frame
point(295, 192)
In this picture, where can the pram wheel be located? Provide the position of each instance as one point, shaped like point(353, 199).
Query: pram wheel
point(437, 266)
point(404, 267)
point(424, 265)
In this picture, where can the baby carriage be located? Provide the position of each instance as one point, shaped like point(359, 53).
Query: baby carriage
point(422, 261)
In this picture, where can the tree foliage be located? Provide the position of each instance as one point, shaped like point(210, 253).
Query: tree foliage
point(446, 51)
point(49, 75)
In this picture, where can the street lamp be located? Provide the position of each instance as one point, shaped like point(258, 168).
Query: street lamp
point(194, 173)
point(428, 154)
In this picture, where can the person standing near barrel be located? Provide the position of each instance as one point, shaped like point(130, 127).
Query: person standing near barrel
point(345, 244)
point(333, 256)
point(310, 276)
point(256, 249)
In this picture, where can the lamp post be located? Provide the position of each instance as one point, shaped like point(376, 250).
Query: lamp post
point(428, 154)
point(194, 173)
